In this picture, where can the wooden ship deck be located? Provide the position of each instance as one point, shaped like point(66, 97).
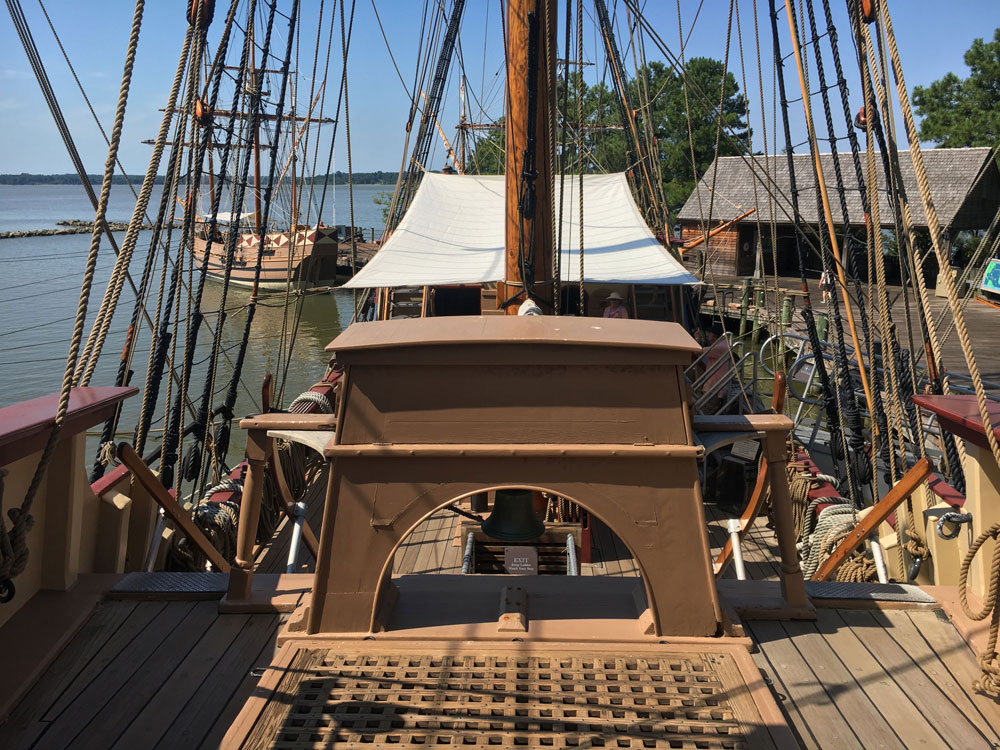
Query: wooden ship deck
point(156, 665)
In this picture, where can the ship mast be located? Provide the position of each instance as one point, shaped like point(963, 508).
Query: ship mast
point(531, 36)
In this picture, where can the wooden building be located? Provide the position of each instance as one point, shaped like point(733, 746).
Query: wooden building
point(965, 186)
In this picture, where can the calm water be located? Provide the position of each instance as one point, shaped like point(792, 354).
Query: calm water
point(40, 285)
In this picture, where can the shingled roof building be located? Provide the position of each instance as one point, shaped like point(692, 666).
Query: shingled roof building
point(965, 186)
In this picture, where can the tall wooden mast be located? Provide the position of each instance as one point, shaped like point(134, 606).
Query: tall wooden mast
point(257, 83)
point(531, 35)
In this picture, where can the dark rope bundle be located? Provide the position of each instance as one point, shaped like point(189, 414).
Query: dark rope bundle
point(234, 380)
point(829, 399)
point(171, 438)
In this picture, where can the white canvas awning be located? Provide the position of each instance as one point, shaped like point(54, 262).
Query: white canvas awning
point(453, 233)
point(227, 217)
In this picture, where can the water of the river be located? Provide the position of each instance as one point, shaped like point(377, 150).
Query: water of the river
point(40, 286)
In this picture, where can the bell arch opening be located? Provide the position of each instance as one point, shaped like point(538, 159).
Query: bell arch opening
point(425, 563)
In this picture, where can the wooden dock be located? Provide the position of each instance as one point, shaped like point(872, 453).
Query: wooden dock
point(982, 321)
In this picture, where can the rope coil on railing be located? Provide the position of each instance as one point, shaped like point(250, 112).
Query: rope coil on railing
point(989, 682)
point(108, 454)
point(312, 397)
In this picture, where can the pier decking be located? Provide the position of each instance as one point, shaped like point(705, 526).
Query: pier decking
point(981, 320)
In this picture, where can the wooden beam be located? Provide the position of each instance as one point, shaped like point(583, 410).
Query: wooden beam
point(144, 476)
point(881, 510)
point(780, 392)
point(695, 242)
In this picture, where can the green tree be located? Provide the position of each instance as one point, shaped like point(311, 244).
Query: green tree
point(487, 153)
point(657, 94)
point(964, 112)
point(670, 113)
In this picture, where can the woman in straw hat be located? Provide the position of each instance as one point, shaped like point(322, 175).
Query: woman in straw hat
point(613, 307)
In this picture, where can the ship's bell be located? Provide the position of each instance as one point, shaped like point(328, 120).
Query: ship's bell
point(513, 518)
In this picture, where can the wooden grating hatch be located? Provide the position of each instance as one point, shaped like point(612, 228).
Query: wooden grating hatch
point(440, 696)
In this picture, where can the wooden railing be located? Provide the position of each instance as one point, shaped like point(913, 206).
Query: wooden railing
point(260, 453)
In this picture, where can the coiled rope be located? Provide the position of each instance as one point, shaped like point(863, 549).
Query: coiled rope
point(218, 521)
point(312, 397)
point(989, 682)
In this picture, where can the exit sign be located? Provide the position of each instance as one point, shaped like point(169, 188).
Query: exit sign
point(522, 561)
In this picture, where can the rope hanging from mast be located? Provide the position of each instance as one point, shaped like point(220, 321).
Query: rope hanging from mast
point(429, 115)
point(173, 429)
point(858, 466)
point(636, 150)
point(267, 204)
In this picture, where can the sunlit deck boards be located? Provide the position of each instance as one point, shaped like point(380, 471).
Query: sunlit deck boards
point(876, 678)
point(147, 674)
point(433, 547)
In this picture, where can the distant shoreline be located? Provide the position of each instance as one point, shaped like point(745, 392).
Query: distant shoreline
point(338, 178)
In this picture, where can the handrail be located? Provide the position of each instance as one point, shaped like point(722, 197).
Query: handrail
point(879, 512)
point(149, 481)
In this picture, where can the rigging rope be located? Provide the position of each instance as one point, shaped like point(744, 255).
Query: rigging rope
point(174, 428)
point(234, 380)
point(935, 230)
point(131, 239)
point(829, 400)
point(21, 520)
point(853, 417)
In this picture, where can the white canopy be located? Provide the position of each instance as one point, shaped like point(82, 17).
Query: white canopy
point(453, 233)
point(227, 217)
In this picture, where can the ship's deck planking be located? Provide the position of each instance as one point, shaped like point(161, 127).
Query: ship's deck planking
point(163, 674)
point(175, 673)
point(876, 678)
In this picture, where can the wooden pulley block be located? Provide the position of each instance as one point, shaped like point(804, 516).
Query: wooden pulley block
point(868, 10)
point(203, 113)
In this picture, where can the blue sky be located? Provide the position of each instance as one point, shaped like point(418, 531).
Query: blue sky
point(932, 37)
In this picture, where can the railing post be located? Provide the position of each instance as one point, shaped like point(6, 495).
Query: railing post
point(793, 587)
point(241, 575)
point(786, 311)
point(744, 304)
point(822, 325)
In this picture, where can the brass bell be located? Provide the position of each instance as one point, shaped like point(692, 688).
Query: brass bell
point(513, 518)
